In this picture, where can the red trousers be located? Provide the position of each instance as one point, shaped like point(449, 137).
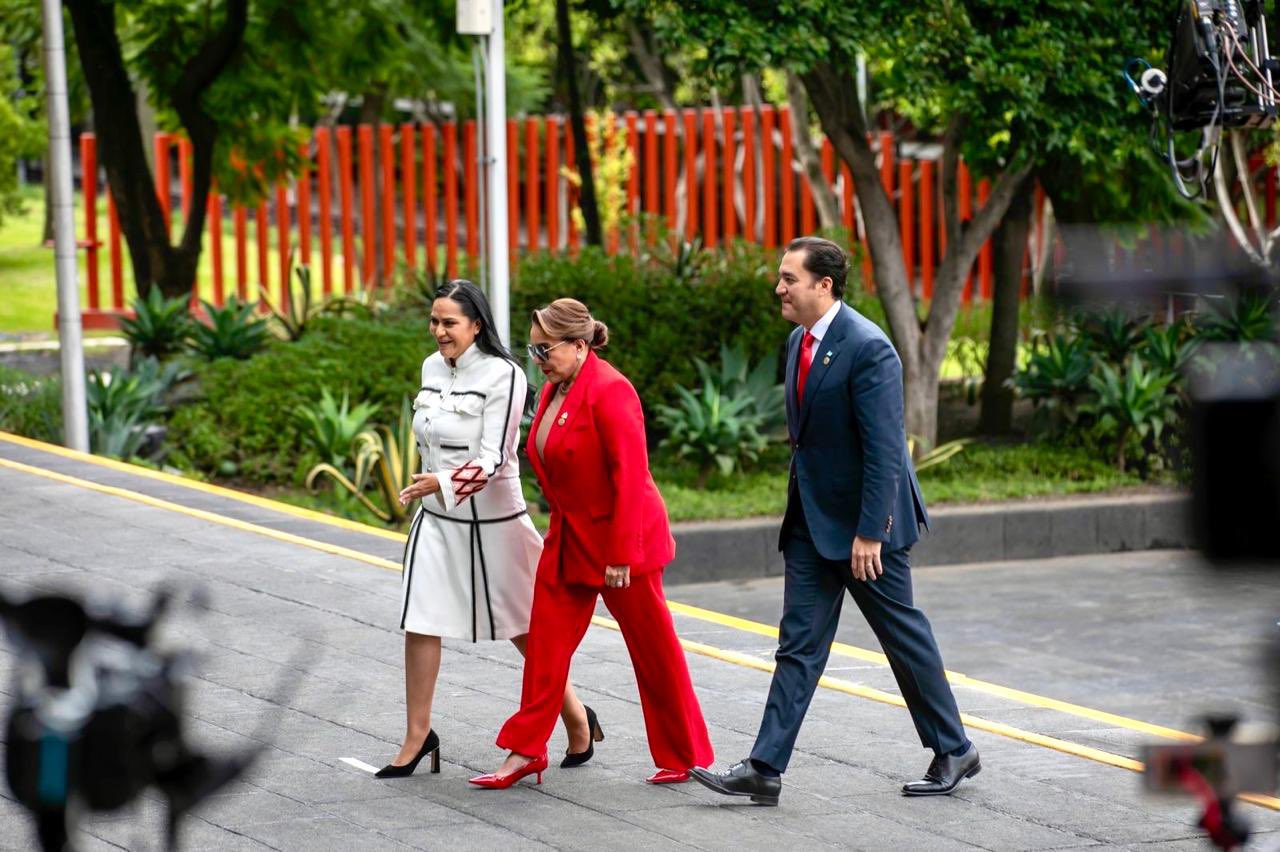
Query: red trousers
point(561, 614)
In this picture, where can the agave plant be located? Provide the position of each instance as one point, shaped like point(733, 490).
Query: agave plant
point(293, 317)
point(384, 461)
point(1169, 348)
point(233, 331)
point(737, 377)
point(713, 429)
point(1240, 319)
point(330, 427)
point(1114, 334)
point(1056, 376)
point(1130, 404)
point(159, 327)
point(123, 404)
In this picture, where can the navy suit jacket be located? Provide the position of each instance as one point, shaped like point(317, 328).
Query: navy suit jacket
point(850, 467)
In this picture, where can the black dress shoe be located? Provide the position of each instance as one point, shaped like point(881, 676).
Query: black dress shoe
point(742, 779)
point(945, 774)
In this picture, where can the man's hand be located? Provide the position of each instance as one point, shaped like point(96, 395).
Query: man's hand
point(866, 559)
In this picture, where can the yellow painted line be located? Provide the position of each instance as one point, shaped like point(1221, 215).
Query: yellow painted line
point(205, 487)
point(222, 520)
point(970, 721)
point(956, 678)
point(737, 658)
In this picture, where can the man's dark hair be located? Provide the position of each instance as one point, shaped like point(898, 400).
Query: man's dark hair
point(824, 259)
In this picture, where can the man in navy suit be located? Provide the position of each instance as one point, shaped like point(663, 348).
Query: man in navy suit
point(854, 509)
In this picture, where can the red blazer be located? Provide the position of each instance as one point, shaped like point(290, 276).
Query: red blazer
point(605, 507)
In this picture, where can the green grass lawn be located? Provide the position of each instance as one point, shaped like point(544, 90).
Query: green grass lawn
point(28, 283)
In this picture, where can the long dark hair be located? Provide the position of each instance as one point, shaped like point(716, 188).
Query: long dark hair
point(475, 307)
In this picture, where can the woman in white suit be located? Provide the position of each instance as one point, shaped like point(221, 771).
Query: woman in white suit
point(472, 551)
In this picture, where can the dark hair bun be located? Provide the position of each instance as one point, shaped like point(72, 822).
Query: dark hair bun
point(599, 334)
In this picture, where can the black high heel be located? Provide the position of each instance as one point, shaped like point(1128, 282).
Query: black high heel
point(431, 746)
point(597, 735)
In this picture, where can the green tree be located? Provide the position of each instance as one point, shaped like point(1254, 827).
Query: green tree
point(1005, 85)
point(20, 134)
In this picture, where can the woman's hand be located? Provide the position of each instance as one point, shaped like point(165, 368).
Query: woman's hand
point(424, 485)
point(617, 576)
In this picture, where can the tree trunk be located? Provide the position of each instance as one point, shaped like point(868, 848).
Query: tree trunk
point(823, 196)
point(569, 69)
point(122, 148)
point(834, 95)
point(655, 70)
point(1010, 248)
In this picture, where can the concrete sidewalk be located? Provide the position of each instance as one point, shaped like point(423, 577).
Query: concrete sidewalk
point(277, 606)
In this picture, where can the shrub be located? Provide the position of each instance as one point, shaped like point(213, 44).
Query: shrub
point(713, 429)
point(232, 332)
point(159, 327)
point(330, 428)
point(736, 377)
point(383, 461)
point(1056, 378)
point(122, 404)
point(30, 405)
point(1130, 406)
point(246, 411)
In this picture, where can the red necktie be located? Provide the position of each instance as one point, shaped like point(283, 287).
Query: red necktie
point(806, 359)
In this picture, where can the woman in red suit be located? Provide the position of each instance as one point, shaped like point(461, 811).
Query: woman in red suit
point(609, 536)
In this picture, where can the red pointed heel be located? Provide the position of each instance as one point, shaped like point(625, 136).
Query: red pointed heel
point(492, 781)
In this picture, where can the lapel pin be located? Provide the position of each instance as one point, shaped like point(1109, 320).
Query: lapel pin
point(826, 360)
point(562, 418)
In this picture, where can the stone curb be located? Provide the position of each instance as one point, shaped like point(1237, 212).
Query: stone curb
point(726, 550)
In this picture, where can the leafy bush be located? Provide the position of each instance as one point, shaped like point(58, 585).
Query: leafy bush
point(30, 405)
point(245, 417)
point(232, 332)
point(1112, 335)
point(1055, 378)
point(1129, 406)
point(736, 377)
point(657, 321)
point(159, 327)
point(1239, 319)
point(331, 428)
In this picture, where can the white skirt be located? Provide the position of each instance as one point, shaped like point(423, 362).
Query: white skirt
point(469, 579)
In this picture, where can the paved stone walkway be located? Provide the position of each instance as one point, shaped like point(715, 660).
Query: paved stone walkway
point(1145, 636)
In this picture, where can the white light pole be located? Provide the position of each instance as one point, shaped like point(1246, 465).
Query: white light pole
point(483, 18)
point(496, 146)
point(75, 422)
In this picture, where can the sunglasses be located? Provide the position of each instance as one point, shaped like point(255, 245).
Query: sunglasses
point(541, 351)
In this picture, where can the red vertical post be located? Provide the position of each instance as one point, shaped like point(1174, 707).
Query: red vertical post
point(709, 230)
point(513, 190)
point(240, 222)
point(117, 264)
point(966, 211)
point(847, 217)
point(325, 225)
point(409, 180)
point(886, 163)
point(633, 179)
point(690, 173)
point(303, 205)
point(283, 242)
point(264, 248)
point(787, 211)
point(184, 173)
point(531, 182)
point(553, 183)
point(669, 168)
point(766, 155)
point(386, 156)
point(89, 194)
point(451, 199)
point(472, 189)
point(367, 223)
point(346, 203)
point(730, 217)
point(215, 243)
point(569, 157)
point(161, 142)
point(926, 228)
point(749, 175)
point(906, 220)
point(984, 254)
point(651, 173)
point(429, 195)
